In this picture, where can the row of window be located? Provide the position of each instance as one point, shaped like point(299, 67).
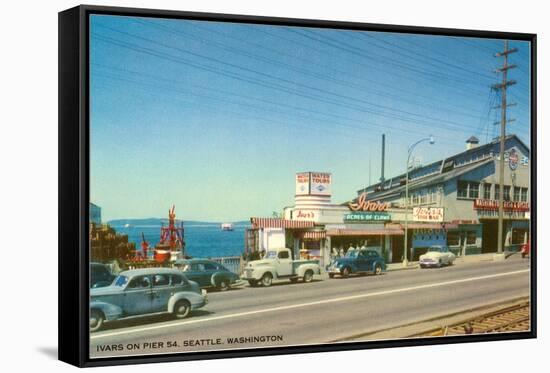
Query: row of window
point(423, 196)
point(474, 189)
point(453, 238)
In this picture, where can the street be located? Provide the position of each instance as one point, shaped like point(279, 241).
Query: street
point(318, 312)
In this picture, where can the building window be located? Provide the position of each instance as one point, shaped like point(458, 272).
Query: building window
point(467, 189)
point(462, 189)
point(474, 190)
point(506, 193)
point(497, 192)
point(518, 236)
point(423, 198)
point(471, 237)
point(517, 194)
point(453, 239)
point(523, 194)
point(486, 191)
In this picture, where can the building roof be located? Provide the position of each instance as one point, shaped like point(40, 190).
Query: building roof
point(435, 171)
point(432, 179)
point(473, 139)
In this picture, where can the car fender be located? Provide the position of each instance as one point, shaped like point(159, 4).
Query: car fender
point(309, 266)
point(261, 270)
point(110, 311)
point(193, 298)
point(217, 277)
point(376, 263)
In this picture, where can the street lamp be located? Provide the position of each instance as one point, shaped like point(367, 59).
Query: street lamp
point(411, 148)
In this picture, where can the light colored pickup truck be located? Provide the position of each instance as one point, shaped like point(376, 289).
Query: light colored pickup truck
point(278, 264)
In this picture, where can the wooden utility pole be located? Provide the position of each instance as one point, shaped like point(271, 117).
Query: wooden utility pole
point(503, 106)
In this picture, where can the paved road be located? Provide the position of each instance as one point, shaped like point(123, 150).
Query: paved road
point(319, 312)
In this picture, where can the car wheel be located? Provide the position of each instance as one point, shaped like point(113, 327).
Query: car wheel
point(439, 264)
point(223, 285)
point(96, 320)
point(331, 275)
point(267, 279)
point(308, 276)
point(346, 272)
point(182, 309)
point(377, 269)
point(253, 283)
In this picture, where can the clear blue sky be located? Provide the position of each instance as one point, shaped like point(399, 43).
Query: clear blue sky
point(218, 117)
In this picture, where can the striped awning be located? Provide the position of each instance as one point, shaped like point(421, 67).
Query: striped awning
point(427, 226)
point(311, 235)
point(279, 223)
point(365, 232)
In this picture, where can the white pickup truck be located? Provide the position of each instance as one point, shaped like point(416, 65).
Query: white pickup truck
point(278, 264)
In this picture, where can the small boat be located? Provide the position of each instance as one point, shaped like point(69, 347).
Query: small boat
point(227, 227)
point(127, 225)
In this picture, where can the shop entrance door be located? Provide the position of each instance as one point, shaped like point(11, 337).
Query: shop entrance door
point(489, 240)
point(397, 249)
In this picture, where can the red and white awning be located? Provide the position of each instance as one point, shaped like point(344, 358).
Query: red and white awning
point(365, 232)
point(311, 235)
point(431, 225)
point(280, 223)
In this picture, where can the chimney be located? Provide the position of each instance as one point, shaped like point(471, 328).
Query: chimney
point(383, 159)
point(472, 142)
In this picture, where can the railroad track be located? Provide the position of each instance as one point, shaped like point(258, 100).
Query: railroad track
point(510, 319)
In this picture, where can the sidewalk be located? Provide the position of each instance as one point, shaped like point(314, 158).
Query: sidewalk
point(489, 257)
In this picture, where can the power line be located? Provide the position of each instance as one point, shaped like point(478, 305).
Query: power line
point(399, 114)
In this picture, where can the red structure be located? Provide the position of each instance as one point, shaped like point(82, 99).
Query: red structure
point(172, 242)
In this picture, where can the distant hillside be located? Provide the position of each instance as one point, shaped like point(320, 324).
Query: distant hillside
point(161, 221)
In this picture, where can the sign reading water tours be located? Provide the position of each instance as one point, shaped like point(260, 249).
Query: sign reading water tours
point(313, 184)
point(302, 183)
point(320, 183)
point(428, 214)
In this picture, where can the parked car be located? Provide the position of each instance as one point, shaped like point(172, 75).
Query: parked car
point(437, 256)
point(145, 291)
point(100, 275)
point(357, 261)
point(526, 249)
point(278, 264)
point(207, 273)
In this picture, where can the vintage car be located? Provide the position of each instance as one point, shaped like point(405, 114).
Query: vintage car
point(207, 273)
point(278, 264)
point(357, 261)
point(100, 275)
point(145, 291)
point(437, 256)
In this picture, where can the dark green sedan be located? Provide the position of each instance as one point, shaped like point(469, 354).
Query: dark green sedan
point(207, 273)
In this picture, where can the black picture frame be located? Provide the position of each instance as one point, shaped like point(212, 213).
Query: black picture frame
point(74, 184)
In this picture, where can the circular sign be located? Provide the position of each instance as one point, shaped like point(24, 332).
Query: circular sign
point(513, 159)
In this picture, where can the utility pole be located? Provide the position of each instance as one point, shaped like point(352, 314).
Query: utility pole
point(503, 106)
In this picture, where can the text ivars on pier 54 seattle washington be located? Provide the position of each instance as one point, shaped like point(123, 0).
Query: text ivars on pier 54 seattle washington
point(249, 182)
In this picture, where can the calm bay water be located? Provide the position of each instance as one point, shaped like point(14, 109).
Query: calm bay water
point(201, 241)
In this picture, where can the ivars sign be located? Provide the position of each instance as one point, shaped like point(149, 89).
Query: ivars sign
point(363, 204)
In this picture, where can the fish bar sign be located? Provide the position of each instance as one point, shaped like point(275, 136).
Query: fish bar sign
point(428, 214)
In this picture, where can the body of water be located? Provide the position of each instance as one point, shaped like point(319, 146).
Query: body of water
point(201, 241)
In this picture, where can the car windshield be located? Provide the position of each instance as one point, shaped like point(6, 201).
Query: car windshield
point(271, 255)
point(352, 254)
point(437, 248)
point(120, 281)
